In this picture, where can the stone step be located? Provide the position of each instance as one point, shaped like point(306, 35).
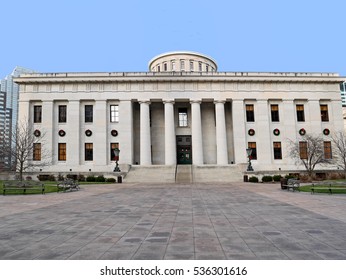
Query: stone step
point(151, 174)
point(184, 174)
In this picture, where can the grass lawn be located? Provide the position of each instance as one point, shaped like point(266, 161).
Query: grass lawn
point(336, 189)
point(50, 186)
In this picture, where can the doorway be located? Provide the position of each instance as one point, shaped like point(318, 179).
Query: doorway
point(184, 151)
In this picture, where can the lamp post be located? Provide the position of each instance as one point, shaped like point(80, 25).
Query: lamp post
point(249, 152)
point(116, 157)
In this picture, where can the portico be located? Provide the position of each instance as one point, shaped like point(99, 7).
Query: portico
point(185, 126)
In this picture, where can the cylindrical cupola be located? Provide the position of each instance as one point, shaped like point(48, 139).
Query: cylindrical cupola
point(182, 61)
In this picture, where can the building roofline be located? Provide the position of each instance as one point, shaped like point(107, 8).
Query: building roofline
point(178, 76)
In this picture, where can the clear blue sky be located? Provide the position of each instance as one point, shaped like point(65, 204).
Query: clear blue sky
point(123, 35)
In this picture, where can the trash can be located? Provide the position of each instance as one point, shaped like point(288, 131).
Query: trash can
point(246, 178)
point(120, 179)
point(283, 182)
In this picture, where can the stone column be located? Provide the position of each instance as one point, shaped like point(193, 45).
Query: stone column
point(145, 139)
point(335, 115)
point(170, 144)
point(125, 129)
point(239, 136)
point(263, 133)
point(99, 137)
point(74, 132)
point(289, 119)
point(51, 137)
point(221, 139)
point(313, 114)
point(196, 129)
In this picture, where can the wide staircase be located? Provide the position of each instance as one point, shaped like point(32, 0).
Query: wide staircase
point(184, 174)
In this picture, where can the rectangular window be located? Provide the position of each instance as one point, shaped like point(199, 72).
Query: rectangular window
point(88, 115)
point(252, 145)
point(303, 150)
point(88, 151)
point(165, 66)
point(62, 113)
point(182, 65)
point(62, 151)
point(250, 114)
point(191, 65)
point(277, 150)
point(324, 113)
point(173, 65)
point(182, 112)
point(112, 148)
point(300, 113)
point(114, 111)
point(207, 68)
point(37, 114)
point(37, 152)
point(275, 112)
point(200, 66)
point(327, 150)
point(158, 68)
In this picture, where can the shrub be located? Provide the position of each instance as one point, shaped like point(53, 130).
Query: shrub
point(267, 179)
point(253, 179)
point(91, 179)
point(46, 177)
point(51, 178)
point(28, 178)
point(72, 176)
point(304, 178)
point(110, 180)
point(100, 178)
point(277, 178)
point(81, 178)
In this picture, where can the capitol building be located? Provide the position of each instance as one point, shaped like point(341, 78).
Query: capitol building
point(181, 120)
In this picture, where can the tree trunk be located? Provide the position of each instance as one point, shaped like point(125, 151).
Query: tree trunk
point(21, 171)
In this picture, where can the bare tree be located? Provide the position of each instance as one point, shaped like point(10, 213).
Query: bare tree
point(25, 149)
point(339, 144)
point(309, 151)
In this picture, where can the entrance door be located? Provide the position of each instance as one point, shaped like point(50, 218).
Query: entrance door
point(184, 155)
point(184, 152)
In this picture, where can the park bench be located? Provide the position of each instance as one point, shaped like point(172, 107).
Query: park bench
point(328, 188)
point(22, 186)
point(68, 185)
point(292, 184)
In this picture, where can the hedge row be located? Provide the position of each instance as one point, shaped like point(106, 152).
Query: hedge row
point(268, 178)
point(80, 178)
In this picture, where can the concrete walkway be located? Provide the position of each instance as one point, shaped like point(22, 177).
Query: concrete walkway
point(174, 221)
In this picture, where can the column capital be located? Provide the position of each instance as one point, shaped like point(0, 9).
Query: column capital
point(219, 101)
point(171, 101)
point(195, 101)
point(144, 102)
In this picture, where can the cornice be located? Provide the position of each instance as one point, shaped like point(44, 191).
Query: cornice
point(179, 77)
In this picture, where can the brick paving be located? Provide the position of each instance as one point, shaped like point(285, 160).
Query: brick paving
point(173, 221)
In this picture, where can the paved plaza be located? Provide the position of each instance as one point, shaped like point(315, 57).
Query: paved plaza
point(172, 221)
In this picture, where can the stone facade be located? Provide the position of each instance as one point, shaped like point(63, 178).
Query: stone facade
point(200, 117)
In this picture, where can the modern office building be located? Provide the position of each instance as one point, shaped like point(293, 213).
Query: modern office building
point(180, 116)
point(5, 128)
point(343, 93)
point(9, 109)
point(12, 91)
